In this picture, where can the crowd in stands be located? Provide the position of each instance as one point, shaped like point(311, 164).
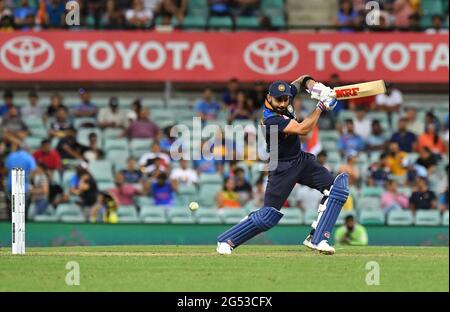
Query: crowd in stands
point(411, 15)
point(82, 153)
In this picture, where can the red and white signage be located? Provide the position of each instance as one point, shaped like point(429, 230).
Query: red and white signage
point(210, 56)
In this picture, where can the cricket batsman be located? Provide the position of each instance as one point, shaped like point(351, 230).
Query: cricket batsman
point(294, 166)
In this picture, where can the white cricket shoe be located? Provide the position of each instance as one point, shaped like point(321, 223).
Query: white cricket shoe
point(325, 248)
point(307, 242)
point(224, 249)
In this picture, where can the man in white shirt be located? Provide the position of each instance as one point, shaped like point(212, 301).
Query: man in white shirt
point(154, 160)
point(139, 16)
point(111, 116)
point(361, 124)
point(389, 101)
point(184, 175)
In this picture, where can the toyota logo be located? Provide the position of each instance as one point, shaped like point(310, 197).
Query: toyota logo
point(27, 55)
point(271, 56)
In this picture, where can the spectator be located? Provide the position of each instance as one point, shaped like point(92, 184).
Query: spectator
point(39, 189)
point(414, 23)
point(162, 191)
point(413, 124)
point(22, 12)
point(443, 201)
point(173, 8)
point(207, 165)
point(55, 104)
point(405, 139)
point(4, 10)
point(347, 19)
point(142, 127)
point(257, 94)
point(155, 158)
point(402, 9)
point(56, 14)
point(422, 198)
point(322, 157)
point(139, 16)
point(56, 194)
point(227, 197)
point(432, 140)
point(134, 112)
point(184, 175)
point(7, 22)
point(86, 190)
point(207, 108)
point(229, 97)
point(86, 108)
point(20, 158)
point(111, 116)
point(69, 148)
point(32, 111)
point(391, 199)
point(376, 141)
point(113, 18)
point(259, 191)
point(123, 193)
point(361, 123)
point(351, 168)
point(47, 156)
point(241, 110)
point(131, 174)
point(413, 171)
point(431, 119)
point(390, 101)
point(14, 129)
point(248, 7)
point(350, 142)
point(8, 98)
point(351, 233)
point(395, 159)
point(62, 125)
point(427, 160)
point(379, 172)
point(437, 25)
point(242, 187)
point(93, 152)
point(104, 210)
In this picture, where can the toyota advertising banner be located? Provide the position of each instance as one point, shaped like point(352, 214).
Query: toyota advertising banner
point(209, 56)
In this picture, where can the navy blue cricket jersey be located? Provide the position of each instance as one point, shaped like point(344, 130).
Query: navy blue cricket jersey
point(289, 145)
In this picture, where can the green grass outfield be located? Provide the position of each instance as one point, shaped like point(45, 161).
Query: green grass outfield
point(250, 268)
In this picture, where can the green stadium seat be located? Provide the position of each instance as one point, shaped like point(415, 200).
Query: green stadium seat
point(247, 22)
point(272, 3)
point(82, 121)
point(83, 135)
point(310, 215)
point(220, 22)
point(181, 103)
point(207, 216)
point(198, 7)
point(210, 178)
point(207, 195)
point(104, 186)
point(33, 142)
point(291, 216)
point(329, 146)
point(138, 147)
point(371, 217)
point(115, 144)
point(127, 214)
point(117, 158)
point(45, 218)
point(39, 132)
point(431, 7)
point(69, 213)
point(330, 135)
point(162, 113)
point(112, 133)
point(278, 21)
point(372, 191)
point(101, 170)
point(144, 201)
point(194, 21)
point(400, 217)
point(153, 103)
point(186, 194)
point(232, 215)
point(180, 215)
point(445, 218)
point(153, 214)
point(369, 203)
point(428, 218)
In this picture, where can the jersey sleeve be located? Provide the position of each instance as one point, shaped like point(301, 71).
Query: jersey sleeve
point(280, 121)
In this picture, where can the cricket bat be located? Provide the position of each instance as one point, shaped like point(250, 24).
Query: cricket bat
point(360, 90)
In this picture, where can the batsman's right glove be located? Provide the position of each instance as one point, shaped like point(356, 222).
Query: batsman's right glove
point(327, 104)
point(320, 92)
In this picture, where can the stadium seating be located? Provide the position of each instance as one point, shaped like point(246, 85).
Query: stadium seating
point(101, 170)
point(400, 217)
point(118, 158)
point(127, 214)
point(220, 22)
point(207, 217)
point(232, 216)
point(368, 203)
point(115, 144)
point(186, 194)
point(445, 218)
point(371, 217)
point(291, 216)
point(247, 22)
point(207, 195)
point(138, 147)
point(428, 217)
point(310, 216)
point(178, 215)
point(153, 214)
point(69, 213)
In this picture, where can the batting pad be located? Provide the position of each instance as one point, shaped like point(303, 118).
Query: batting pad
point(338, 196)
point(257, 222)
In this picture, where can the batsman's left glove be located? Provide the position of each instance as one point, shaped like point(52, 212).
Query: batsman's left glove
point(320, 92)
point(327, 104)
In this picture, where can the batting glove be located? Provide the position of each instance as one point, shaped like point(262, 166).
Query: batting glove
point(327, 104)
point(320, 92)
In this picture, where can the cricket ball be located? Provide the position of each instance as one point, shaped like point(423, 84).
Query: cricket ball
point(193, 206)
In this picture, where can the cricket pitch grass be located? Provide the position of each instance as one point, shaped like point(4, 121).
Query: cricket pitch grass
point(250, 268)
